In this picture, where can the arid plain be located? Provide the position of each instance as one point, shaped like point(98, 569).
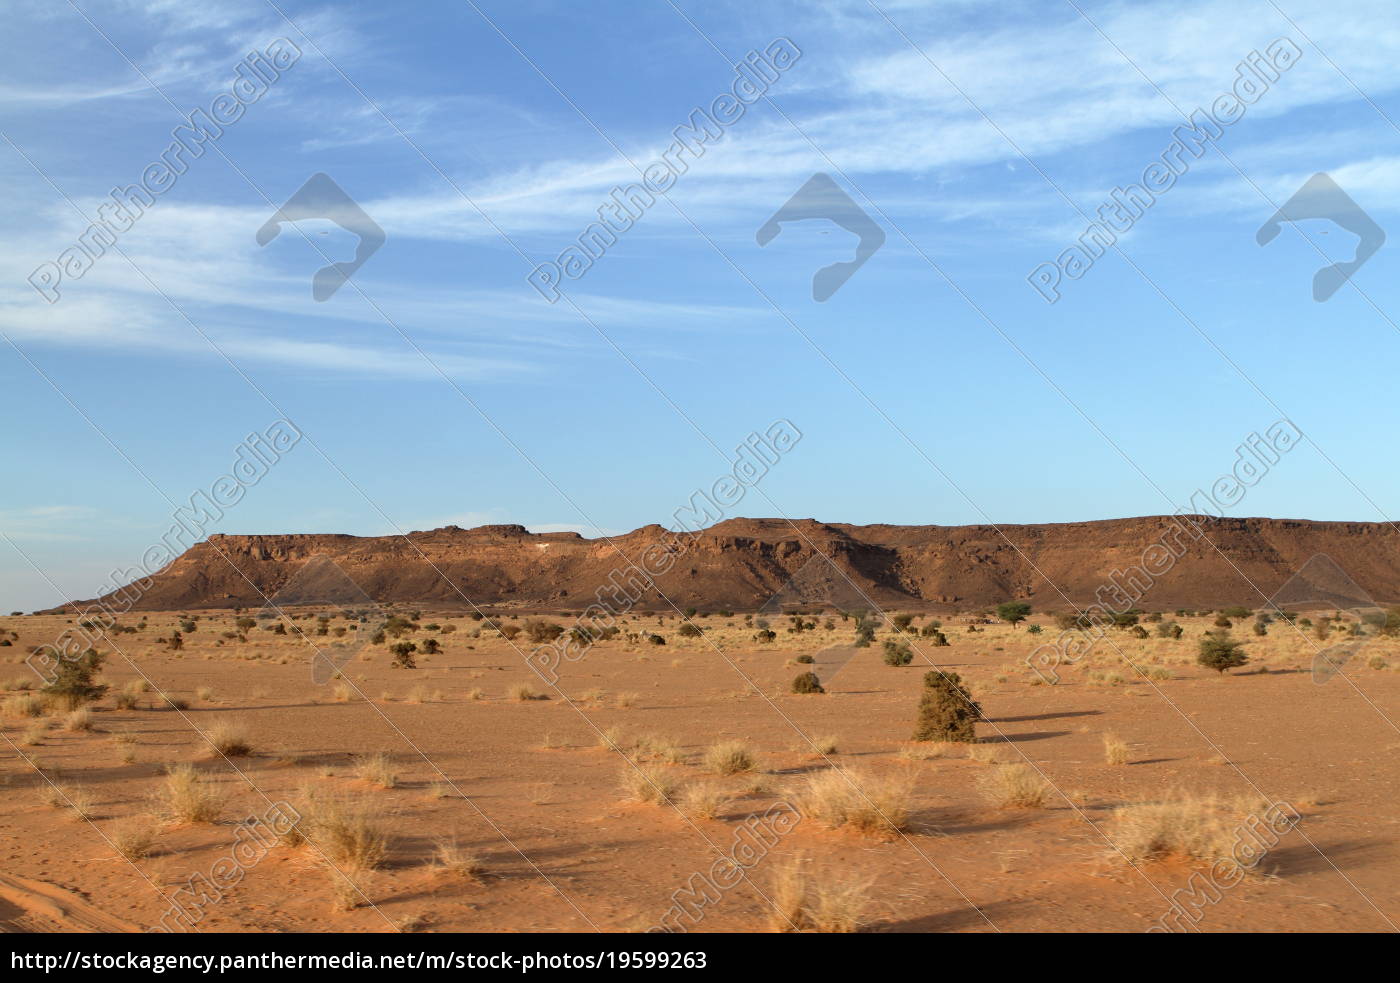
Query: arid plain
point(467, 795)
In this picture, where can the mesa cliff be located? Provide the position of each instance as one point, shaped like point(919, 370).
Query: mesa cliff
point(743, 563)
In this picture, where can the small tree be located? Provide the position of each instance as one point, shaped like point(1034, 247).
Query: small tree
point(807, 682)
point(947, 711)
point(1220, 652)
point(1013, 612)
point(73, 685)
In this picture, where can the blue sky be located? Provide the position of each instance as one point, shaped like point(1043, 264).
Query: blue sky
point(936, 386)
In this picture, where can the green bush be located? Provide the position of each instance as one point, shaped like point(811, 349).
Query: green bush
point(947, 711)
point(897, 654)
point(73, 685)
point(807, 682)
point(1219, 652)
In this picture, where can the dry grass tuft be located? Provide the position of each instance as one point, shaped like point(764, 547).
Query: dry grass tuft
point(351, 836)
point(802, 902)
point(649, 782)
point(133, 839)
point(451, 858)
point(1015, 786)
point(865, 801)
point(702, 800)
point(1115, 750)
point(377, 769)
point(1186, 826)
point(187, 798)
point(730, 758)
point(230, 739)
point(23, 705)
point(79, 720)
point(525, 692)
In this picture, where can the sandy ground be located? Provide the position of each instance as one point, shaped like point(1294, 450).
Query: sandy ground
point(531, 789)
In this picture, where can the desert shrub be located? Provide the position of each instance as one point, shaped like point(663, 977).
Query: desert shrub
point(1223, 622)
point(947, 711)
point(403, 654)
point(765, 635)
point(1067, 622)
point(1013, 612)
point(1164, 630)
point(1034, 630)
point(936, 638)
point(655, 639)
point(688, 630)
point(804, 659)
point(807, 682)
point(73, 684)
point(897, 654)
point(430, 646)
point(1122, 620)
point(1138, 631)
point(903, 621)
point(539, 630)
point(1219, 652)
point(730, 758)
point(1260, 628)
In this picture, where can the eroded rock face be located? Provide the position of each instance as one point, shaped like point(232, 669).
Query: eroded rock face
point(741, 563)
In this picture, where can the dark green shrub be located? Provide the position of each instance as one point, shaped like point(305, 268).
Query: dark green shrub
point(947, 711)
point(403, 654)
point(765, 635)
point(807, 682)
point(804, 659)
point(542, 631)
point(688, 630)
point(1220, 652)
point(897, 654)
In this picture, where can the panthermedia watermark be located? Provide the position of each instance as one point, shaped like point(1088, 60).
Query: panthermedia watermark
point(629, 583)
point(124, 207)
point(625, 207)
point(252, 460)
point(1127, 205)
